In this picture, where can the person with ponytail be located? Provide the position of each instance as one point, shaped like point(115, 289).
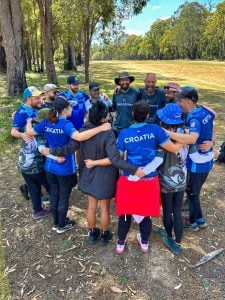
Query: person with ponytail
point(61, 176)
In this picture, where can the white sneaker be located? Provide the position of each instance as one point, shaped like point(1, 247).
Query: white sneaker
point(120, 248)
point(143, 246)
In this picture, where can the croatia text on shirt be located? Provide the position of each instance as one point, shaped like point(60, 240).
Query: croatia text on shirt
point(140, 142)
point(58, 134)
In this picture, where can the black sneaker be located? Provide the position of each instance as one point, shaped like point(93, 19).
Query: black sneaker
point(24, 191)
point(69, 225)
point(93, 235)
point(105, 237)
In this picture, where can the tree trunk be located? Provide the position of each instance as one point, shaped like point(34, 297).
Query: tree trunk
point(72, 58)
point(45, 8)
point(12, 32)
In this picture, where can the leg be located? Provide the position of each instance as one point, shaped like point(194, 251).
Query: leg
point(194, 185)
point(167, 212)
point(91, 212)
point(65, 188)
point(105, 214)
point(34, 187)
point(54, 199)
point(123, 227)
point(177, 215)
point(145, 229)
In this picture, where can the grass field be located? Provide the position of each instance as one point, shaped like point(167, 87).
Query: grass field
point(33, 249)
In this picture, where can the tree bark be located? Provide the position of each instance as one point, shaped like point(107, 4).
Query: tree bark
point(45, 9)
point(12, 32)
point(3, 65)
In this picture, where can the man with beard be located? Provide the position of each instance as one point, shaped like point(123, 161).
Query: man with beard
point(123, 101)
point(153, 96)
point(170, 89)
point(77, 99)
point(51, 90)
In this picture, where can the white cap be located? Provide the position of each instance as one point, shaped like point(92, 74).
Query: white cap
point(49, 87)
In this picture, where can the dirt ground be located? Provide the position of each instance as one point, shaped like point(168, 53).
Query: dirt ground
point(40, 264)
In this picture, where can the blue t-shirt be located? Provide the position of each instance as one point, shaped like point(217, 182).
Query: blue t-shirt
point(155, 102)
point(23, 113)
point(58, 134)
point(140, 141)
point(77, 103)
point(200, 121)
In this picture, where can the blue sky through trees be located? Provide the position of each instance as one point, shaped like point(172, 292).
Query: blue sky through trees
point(156, 9)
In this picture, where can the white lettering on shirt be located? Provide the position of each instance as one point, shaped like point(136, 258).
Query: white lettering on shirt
point(206, 119)
point(140, 138)
point(54, 130)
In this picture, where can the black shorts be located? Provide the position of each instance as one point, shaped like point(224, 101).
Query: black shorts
point(195, 182)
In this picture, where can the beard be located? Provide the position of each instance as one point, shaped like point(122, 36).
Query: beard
point(125, 86)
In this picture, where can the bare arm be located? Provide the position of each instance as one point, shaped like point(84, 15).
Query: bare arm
point(99, 162)
point(20, 135)
point(87, 134)
point(190, 138)
point(172, 147)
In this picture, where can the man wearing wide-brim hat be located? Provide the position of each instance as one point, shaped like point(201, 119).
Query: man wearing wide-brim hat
point(123, 101)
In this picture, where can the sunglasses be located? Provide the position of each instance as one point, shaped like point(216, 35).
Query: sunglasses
point(168, 87)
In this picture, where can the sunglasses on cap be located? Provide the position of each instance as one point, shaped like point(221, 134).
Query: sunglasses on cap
point(169, 88)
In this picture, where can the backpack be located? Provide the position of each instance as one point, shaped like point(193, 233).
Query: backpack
point(221, 156)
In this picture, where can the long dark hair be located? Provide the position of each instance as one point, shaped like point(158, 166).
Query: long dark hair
point(97, 112)
point(59, 104)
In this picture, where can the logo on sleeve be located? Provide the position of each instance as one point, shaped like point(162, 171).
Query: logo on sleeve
point(192, 124)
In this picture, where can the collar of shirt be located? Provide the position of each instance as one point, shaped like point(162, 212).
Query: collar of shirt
point(137, 125)
point(28, 109)
point(190, 114)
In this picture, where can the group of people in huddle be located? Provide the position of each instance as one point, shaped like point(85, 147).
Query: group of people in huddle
point(144, 148)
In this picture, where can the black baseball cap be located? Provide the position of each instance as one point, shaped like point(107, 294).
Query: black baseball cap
point(72, 79)
point(94, 86)
point(188, 92)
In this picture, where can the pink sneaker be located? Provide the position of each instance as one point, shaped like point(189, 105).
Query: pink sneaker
point(120, 247)
point(143, 245)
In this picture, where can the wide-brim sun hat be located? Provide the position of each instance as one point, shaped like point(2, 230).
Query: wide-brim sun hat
point(124, 75)
point(170, 114)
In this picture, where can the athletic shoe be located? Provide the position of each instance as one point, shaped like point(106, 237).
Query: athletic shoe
point(69, 225)
point(162, 231)
point(191, 226)
point(201, 223)
point(45, 198)
point(105, 237)
point(120, 246)
point(143, 244)
point(172, 245)
point(41, 214)
point(24, 191)
point(55, 227)
point(93, 235)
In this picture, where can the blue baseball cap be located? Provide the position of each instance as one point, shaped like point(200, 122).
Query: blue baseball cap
point(31, 91)
point(171, 114)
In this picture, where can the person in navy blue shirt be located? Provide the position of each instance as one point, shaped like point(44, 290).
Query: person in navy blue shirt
point(33, 177)
point(140, 198)
point(153, 96)
point(123, 101)
point(77, 99)
point(62, 176)
point(200, 122)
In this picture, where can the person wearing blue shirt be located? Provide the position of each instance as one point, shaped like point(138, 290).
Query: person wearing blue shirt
point(153, 96)
point(123, 101)
point(33, 175)
point(95, 96)
point(200, 122)
point(140, 198)
point(77, 99)
point(62, 176)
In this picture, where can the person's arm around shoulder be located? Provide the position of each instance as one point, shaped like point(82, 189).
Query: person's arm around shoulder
point(87, 134)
